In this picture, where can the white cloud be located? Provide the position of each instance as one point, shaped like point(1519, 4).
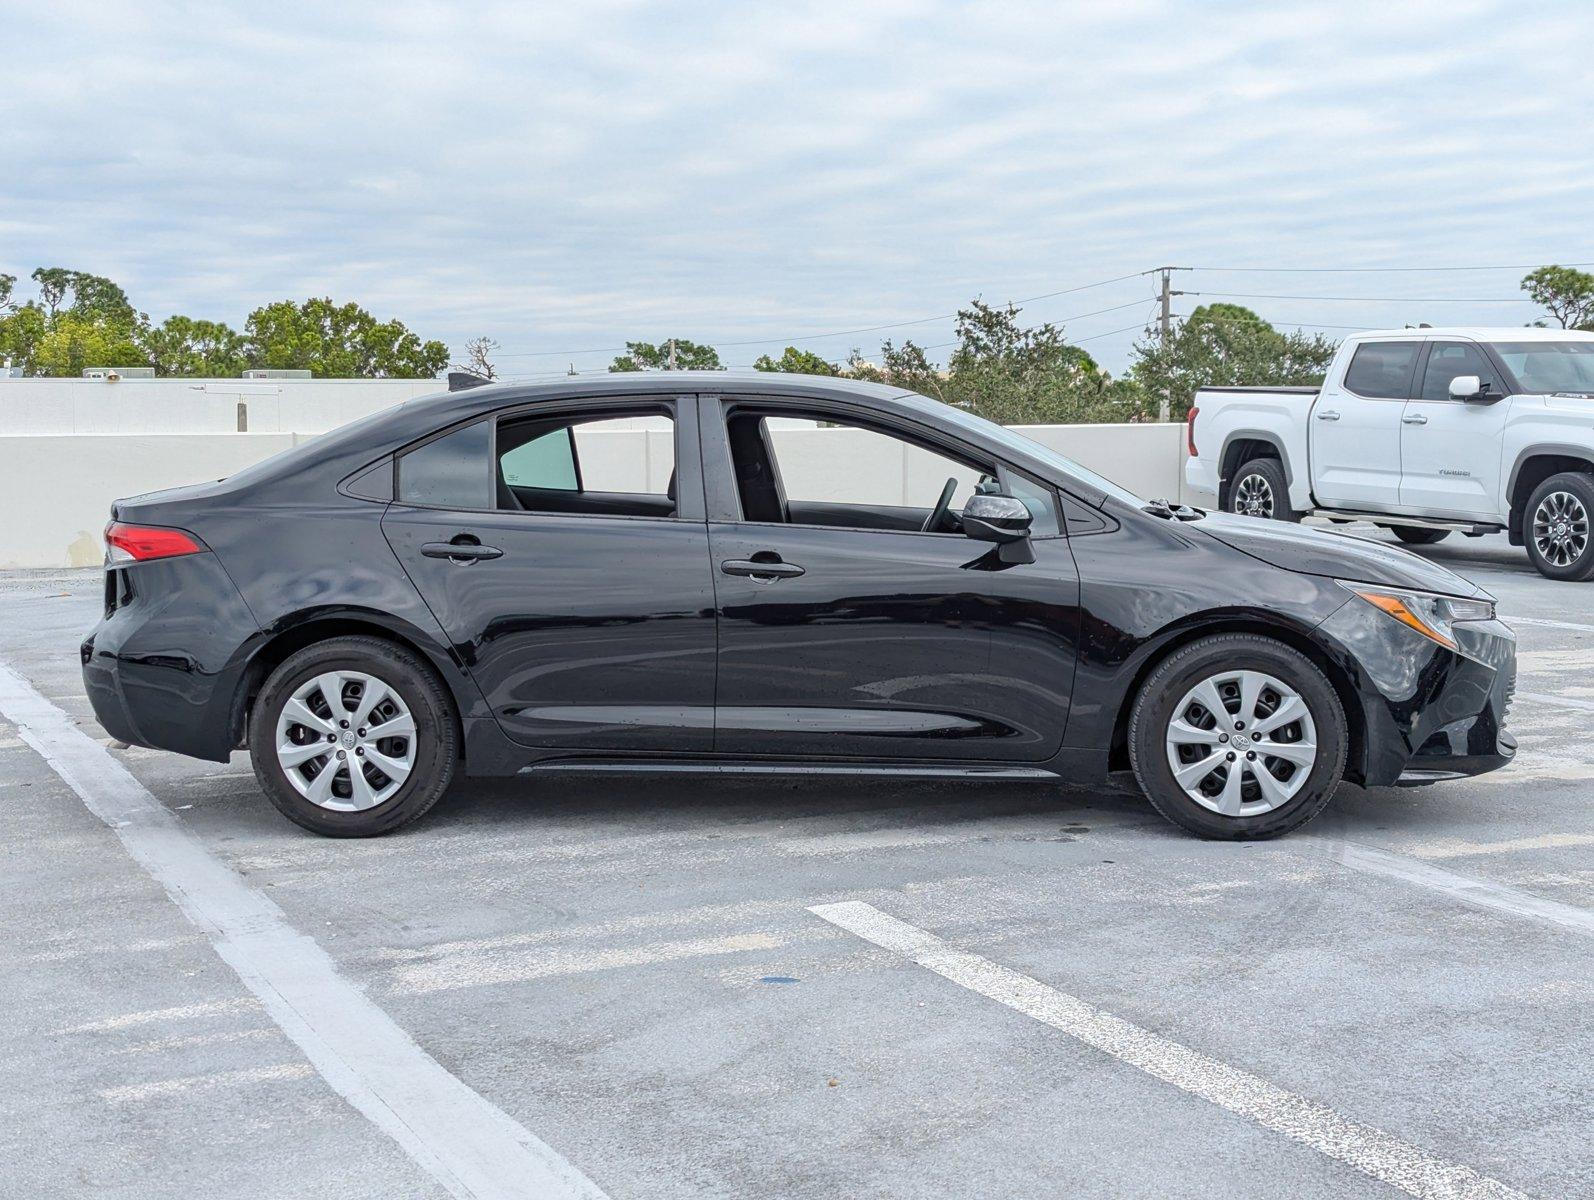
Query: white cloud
point(569, 176)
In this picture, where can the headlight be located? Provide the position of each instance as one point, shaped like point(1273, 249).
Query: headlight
point(1432, 615)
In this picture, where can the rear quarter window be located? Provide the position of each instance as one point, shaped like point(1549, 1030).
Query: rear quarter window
point(448, 472)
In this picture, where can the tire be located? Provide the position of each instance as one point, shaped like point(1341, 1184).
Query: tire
point(1300, 789)
point(1557, 528)
point(1414, 535)
point(1260, 490)
point(420, 746)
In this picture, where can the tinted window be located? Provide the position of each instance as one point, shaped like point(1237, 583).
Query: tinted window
point(1041, 502)
point(1382, 369)
point(448, 472)
point(617, 464)
point(1446, 360)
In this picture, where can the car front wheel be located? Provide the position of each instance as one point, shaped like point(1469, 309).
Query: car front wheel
point(1556, 527)
point(1236, 737)
point(353, 737)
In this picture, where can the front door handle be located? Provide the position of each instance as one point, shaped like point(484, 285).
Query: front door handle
point(763, 571)
point(1415, 419)
point(463, 549)
point(1329, 415)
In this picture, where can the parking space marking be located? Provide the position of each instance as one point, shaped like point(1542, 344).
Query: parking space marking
point(1479, 893)
point(1548, 624)
point(1369, 1150)
point(1453, 848)
point(1557, 701)
point(472, 1148)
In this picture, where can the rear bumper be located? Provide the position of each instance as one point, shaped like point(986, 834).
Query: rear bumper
point(162, 667)
point(1201, 477)
point(1428, 713)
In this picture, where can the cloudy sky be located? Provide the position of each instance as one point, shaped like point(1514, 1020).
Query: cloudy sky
point(563, 177)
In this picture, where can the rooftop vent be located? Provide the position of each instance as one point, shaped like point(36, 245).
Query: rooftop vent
point(115, 373)
point(274, 373)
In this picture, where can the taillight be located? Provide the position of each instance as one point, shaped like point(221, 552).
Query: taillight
point(1189, 430)
point(140, 543)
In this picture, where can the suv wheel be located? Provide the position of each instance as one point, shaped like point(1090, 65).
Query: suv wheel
point(353, 737)
point(1556, 527)
point(1237, 737)
point(1260, 490)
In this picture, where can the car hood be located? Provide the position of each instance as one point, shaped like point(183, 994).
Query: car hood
point(1335, 555)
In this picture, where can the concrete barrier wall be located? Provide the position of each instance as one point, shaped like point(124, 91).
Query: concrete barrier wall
point(56, 489)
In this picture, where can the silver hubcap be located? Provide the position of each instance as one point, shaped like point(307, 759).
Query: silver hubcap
point(346, 741)
point(1253, 497)
point(1560, 529)
point(1241, 743)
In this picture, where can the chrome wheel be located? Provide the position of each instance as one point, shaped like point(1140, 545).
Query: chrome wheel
point(346, 741)
point(1241, 743)
point(1560, 529)
point(1253, 497)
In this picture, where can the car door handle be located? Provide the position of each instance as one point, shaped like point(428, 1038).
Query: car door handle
point(461, 551)
point(1415, 419)
point(763, 571)
point(1330, 415)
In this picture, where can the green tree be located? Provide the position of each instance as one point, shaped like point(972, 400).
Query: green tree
point(688, 356)
point(796, 362)
point(185, 346)
point(1225, 345)
point(338, 341)
point(1566, 292)
point(71, 342)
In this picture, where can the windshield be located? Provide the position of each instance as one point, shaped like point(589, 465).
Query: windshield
point(1550, 366)
point(1025, 445)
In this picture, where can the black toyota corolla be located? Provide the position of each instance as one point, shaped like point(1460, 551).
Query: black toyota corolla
point(705, 572)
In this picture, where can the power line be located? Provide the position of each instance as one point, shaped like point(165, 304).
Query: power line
point(1372, 270)
point(1369, 299)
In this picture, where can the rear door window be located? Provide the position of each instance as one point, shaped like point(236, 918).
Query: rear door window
point(1382, 370)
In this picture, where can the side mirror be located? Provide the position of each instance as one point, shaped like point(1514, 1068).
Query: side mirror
point(996, 518)
point(1465, 387)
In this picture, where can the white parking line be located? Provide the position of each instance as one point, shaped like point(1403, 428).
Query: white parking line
point(1477, 892)
point(1371, 1151)
point(1548, 624)
point(1557, 701)
point(471, 1147)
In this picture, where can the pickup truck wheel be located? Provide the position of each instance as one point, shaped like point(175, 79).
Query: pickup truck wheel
point(1238, 737)
point(1556, 527)
point(1260, 490)
point(1412, 535)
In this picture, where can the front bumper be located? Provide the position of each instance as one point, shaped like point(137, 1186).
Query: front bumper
point(1428, 713)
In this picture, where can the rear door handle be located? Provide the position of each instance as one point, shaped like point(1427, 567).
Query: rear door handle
point(1330, 415)
point(463, 549)
point(1415, 419)
point(761, 570)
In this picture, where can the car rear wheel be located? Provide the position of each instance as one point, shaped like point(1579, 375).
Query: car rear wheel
point(1237, 737)
point(353, 737)
point(1260, 490)
point(1414, 535)
point(1556, 527)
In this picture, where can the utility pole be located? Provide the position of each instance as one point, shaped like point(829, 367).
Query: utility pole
point(671, 367)
point(1166, 326)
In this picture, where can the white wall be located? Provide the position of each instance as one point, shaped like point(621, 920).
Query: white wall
point(56, 488)
point(48, 406)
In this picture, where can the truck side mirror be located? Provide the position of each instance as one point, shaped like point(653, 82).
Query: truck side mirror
point(1465, 387)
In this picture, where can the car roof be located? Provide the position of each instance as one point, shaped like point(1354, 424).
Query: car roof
point(1482, 333)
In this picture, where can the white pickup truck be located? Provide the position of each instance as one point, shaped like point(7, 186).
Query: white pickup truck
point(1423, 431)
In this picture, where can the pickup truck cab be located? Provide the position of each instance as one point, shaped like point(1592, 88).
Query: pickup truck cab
point(1423, 431)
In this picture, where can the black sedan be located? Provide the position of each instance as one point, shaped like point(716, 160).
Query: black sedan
point(706, 572)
